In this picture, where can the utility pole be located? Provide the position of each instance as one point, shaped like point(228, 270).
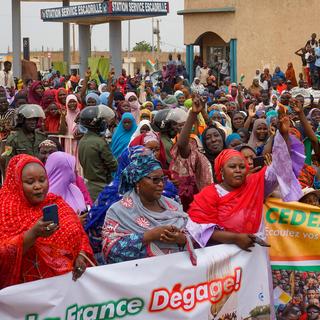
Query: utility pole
point(152, 39)
point(129, 57)
point(157, 32)
point(73, 44)
point(158, 35)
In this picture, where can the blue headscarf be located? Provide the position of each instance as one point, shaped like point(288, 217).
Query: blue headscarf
point(270, 115)
point(232, 137)
point(121, 137)
point(217, 93)
point(104, 97)
point(211, 114)
point(141, 165)
point(93, 96)
point(110, 195)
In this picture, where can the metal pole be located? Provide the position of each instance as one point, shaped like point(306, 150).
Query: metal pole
point(73, 44)
point(129, 39)
point(16, 37)
point(115, 45)
point(84, 48)
point(66, 39)
point(152, 39)
point(158, 42)
point(158, 35)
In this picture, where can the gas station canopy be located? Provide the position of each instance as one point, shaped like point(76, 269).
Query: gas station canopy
point(104, 12)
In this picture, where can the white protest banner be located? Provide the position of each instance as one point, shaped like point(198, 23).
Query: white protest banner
point(226, 280)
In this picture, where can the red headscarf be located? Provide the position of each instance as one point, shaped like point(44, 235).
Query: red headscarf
point(240, 210)
point(48, 97)
point(33, 97)
point(122, 86)
point(139, 141)
point(60, 105)
point(54, 255)
point(52, 122)
point(222, 159)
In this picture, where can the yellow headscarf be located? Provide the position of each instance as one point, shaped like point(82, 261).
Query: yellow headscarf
point(145, 112)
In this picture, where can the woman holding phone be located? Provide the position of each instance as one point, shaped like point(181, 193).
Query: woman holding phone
point(31, 248)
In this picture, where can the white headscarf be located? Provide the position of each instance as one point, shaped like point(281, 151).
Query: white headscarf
point(141, 124)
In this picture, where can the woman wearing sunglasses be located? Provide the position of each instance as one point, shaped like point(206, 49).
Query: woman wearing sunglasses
point(144, 223)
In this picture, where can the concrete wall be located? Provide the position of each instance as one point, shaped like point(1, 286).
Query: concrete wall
point(140, 58)
point(268, 32)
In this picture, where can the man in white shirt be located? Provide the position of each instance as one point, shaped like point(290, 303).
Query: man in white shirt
point(204, 74)
point(6, 77)
point(313, 43)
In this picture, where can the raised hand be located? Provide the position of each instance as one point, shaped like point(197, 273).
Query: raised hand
point(251, 111)
point(197, 104)
point(284, 124)
point(88, 74)
point(296, 106)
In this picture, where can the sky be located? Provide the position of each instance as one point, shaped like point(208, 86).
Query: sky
point(49, 34)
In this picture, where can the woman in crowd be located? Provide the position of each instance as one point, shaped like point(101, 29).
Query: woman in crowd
point(179, 95)
point(291, 75)
point(49, 146)
point(238, 119)
point(249, 154)
point(213, 139)
point(92, 99)
point(144, 223)
point(110, 193)
point(55, 122)
point(31, 248)
point(196, 86)
point(123, 107)
point(143, 127)
point(148, 105)
point(103, 87)
point(145, 114)
point(104, 98)
point(132, 99)
point(73, 111)
point(192, 166)
point(244, 134)
point(231, 210)
point(60, 168)
point(255, 89)
point(216, 116)
point(61, 96)
point(49, 96)
point(259, 136)
point(35, 93)
point(233, 140)
point(123, 133)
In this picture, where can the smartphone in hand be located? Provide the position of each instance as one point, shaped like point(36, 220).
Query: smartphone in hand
point(50, 213)
point(258, 161)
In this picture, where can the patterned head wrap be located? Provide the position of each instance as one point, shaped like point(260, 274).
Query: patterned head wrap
point(141, 165)
point(48, 143)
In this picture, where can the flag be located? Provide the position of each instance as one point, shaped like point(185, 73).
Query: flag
point(151, 63)
point(280, 296)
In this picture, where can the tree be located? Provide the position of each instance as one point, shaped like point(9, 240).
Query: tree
point(142, 46)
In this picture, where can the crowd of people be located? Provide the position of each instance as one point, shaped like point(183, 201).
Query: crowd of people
point(145, 169)
point(304, 289)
